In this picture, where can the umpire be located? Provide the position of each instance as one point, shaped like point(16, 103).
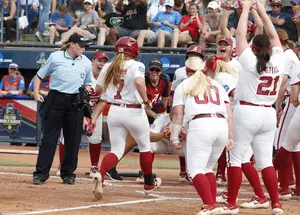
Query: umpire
point(68, 69)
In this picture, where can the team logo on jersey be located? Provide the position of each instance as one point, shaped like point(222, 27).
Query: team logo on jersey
point(226, 87)
point(82, 75)
point(142, 70)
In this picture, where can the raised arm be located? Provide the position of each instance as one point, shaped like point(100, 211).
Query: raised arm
point(258, 23)
point(224, 22)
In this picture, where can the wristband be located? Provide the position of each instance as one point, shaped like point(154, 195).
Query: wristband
point(175, 131)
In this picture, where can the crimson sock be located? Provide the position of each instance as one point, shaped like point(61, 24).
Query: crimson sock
point(284, 172)
point(213, 185)
point(94, 150)
point(290, 169)
point(222, 164)
point(108, 162)
point(271, 183)
point(61, 152)
point(182, 164)
point(146, 162)
point(253, 178)
point(202, 186)
point(296, 162)
point(234, 183)
point(252, 161)
point(280, 157)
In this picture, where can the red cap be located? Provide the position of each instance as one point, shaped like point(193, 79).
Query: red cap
point(225, 39)
point(98, 55)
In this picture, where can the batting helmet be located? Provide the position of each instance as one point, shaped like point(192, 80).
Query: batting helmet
point(127, 45)
point(100, 55)
point(196, 49)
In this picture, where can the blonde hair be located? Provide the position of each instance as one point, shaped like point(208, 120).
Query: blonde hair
point(199, 84)
point(114, 71)
point(222, 66)
point(284, 38)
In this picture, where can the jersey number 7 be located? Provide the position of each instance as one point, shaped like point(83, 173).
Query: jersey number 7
point(264, 88)
point(118, 95)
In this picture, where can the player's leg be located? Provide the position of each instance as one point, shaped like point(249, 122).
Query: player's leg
point(222, 163)
point(95, 146)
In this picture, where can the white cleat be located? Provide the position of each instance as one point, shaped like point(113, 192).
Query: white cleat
point(229, 209)
point(98, 189)
point(277, 209)
point(222, 197)
point(209, 210)
point(256, 202)
point(150, 188)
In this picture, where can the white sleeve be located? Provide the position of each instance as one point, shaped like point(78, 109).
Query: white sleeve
point(227, 81)
point(248, 60)
point(222, 93)
point(139, 70)
point(179, 96)
point(295, 74)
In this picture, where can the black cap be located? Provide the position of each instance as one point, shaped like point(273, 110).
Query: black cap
point(76, 38)
point(155, 63)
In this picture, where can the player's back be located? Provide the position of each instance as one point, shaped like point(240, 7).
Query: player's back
point(261, 89)
point(124, 93)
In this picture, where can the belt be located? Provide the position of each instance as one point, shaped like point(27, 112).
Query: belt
point(208, 115)
point(251, 104)
point(66, 94)
point(128, 105)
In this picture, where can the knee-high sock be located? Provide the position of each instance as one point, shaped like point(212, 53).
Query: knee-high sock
point(270, 180)
point(283, 173)
point(234, 183)
point(146, 162)
point(222, 164)
point(202, 186)
point(280, 158)
point(213, 185)
point(290, 169)
point(182, 164)
point(296, 162)
point(108, 162)
point(61, 150)
point(253, 178)
point(94, 150)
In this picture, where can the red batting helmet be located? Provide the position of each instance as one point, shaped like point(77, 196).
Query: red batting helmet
point(100, 55)
point(196, 49)
point(127, 45)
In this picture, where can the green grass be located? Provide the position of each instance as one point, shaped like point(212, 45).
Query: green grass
point(173, 164)
point(14, 163)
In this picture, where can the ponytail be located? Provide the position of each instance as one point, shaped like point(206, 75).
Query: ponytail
point(263, 58)
point(114, 71)
point(261, 48)
point(199, 84)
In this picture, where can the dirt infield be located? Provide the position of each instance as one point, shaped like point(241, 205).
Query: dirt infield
point(20, 196)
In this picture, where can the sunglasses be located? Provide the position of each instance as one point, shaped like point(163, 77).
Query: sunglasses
point(294, 3)
point(276, 5)
point(87, 3)
point(154, 70)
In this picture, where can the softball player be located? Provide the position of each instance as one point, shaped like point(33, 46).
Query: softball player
point(94, 135)
point(206, 106)
point(123, 85)
point(292, 70)
point(254, 117)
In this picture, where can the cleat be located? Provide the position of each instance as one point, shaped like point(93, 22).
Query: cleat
point(221, 180)
point(277, 209)
point(292, 184)
point(183, 177)
point(93, 171)
point(209, 210)
point(222, 197)
point(98, 189)
point(256, 202)
point(229, 209)
point(284, 195)
point(37, 180)
point(295, 194)
point(140, 179)
point(114, 175)
point(150, 188)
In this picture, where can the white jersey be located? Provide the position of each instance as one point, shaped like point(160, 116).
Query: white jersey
point(255, 88)
point(292, 66)
point(228, 82)
point(213, 104)
point(159, 124)
point(126, 93)
point(179, 76)
point(235, 64)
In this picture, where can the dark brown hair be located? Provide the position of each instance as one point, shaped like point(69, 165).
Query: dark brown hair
point(261, 44)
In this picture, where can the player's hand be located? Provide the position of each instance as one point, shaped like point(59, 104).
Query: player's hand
point(246, 4)
point(84, 124)
point(157, 24)
point(38, 97)
point(182, 134)
point(90, 127)
point(260, 6)
point(167, 132)
point(177, 145)
point(230, 145)
point(166, 22)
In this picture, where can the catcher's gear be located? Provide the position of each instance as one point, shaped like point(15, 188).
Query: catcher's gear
point(196, 49)
point(127, 45)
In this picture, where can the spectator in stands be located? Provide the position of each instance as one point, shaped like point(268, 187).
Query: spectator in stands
point(296, 18)
point(76, 7)
point(32, 8)
point(180, 7)
point(86, 26)
point(61, 22)
point(135, 19)
point(234, 18)
point(43, 18)
point(104, 9)
point(190, 26)
point(44, 87)
point(164, 24)
point(154, 9)
point(9, 12)
point(277, 17)
point(211, 24)
point(12, 84)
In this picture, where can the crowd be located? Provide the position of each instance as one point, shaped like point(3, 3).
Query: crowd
point(161, 23)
